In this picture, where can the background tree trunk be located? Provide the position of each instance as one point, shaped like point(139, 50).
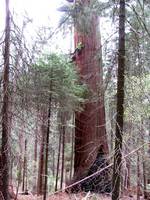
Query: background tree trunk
point(63, 150)
point(138, 176)
point(41, 155)
point(142, 133)
point(58, 160)
point(4, 171)
point(35, 155)
point(53, 162)
point(47, 148)
point(72, 152)
point(24, 167)
point(120, 105)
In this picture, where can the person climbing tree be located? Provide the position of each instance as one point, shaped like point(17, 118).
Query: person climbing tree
point(90, 131)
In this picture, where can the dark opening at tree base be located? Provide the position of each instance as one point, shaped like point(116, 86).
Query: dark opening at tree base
point(99, 183)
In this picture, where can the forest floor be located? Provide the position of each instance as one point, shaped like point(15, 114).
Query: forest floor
point(80, 196)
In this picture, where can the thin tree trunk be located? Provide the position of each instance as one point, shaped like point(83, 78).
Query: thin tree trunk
point(138, 176)
point(126, 184)
point(46, 148)
point(63, 150)
point(58, 161)
point(4, 171)
point(18, 185)
point(24, 167)
point(53, 164)
point(143, 161)
point(41, 155)
point(128, 175)
point(11, 169)
point(72, 152)
point(144, 179)
point(128, 178)
point(22, 149)
point(35, 153)
point(35, 156)
point(26, 178)
point(120, 105)
point(111, 115)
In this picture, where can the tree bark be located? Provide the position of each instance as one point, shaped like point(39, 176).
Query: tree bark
point(58, 161)
point(138, 176)
point(90, 132)
point(72, 151)
point(40, 180)
point(47, 147)
point(144, 179)
point(53, 162)
point(143, 160)
point(63, 150)
point(120, 105)
point(4, 171)
point(24, 167)
point(35, 153)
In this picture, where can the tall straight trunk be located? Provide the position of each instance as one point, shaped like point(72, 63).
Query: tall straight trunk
point(138, 176)
point(46, 147)
point(35, 155)
point(111, 116)
point(26, 176)
point(120, 105)
point(11, 168)
point(5, 111)
point(128, 175)
point(24, 167)
point(63, 151)
point(35, 150)
point(58, 161)
point(144, 177)
point(127, 164)
point(72, 152)
point(21, 149)
point(143, 160)
point(90, 132)
point(53, 162)
point(40, 181)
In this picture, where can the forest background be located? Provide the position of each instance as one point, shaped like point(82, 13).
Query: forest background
point(45, 97)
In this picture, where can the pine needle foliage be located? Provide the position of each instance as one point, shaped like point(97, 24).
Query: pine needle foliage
point(55, 72)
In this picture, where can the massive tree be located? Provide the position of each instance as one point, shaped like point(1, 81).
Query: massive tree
point(90, 131)
point(4, 170)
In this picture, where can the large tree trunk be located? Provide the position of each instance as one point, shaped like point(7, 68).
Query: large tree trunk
point(90, 132)
point(4, 171)
point(120, 105)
